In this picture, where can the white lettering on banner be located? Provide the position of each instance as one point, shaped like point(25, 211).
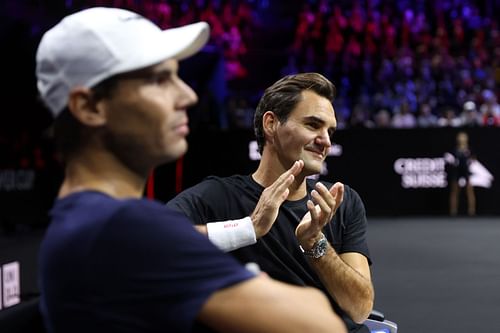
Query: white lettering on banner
point(419, 165)
point(424, 180)
point(11, 284)
point(430, 173)
point(421, 172)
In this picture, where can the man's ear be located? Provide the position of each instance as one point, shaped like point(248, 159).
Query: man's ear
point(269, 124)
point(84, 108)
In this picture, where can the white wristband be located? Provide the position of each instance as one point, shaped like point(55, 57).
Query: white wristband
point(232, 234)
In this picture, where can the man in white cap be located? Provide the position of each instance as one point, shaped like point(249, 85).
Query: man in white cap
point(112, 261)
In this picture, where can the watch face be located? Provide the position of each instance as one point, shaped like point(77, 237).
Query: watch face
point(320, 248)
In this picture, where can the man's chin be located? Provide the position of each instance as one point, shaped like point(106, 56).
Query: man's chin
point(312, 168)
point(174, 154)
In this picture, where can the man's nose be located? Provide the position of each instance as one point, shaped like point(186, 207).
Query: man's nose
point(324, 139)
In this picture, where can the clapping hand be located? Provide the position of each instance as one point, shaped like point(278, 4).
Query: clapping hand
point(272, 197)
point(322, 207)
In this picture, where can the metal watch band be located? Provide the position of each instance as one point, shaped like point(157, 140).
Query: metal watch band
point(318, 250)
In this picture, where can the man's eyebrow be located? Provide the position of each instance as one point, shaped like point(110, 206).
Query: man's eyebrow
point(315, 119)
point(319, 121)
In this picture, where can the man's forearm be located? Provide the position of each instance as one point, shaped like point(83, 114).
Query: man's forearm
point(352, 291)
point(268, 306)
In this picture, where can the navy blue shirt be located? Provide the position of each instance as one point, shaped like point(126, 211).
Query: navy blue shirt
point(128, 265)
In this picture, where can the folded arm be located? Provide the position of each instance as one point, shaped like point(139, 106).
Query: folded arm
point(346, 276)
point(347, 279)
point(265, 305)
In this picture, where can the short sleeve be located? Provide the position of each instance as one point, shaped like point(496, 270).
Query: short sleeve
point(355, 224)
point(203, 202)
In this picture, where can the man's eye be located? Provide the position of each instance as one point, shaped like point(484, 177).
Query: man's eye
point(159, 79)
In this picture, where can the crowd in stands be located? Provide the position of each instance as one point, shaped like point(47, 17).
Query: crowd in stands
point(403, 64)
point(400, 64)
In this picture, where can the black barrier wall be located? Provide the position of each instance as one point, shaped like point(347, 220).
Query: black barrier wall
point(396, 172)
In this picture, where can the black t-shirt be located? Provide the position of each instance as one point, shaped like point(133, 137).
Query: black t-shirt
point(109, 265)
point(277, 253)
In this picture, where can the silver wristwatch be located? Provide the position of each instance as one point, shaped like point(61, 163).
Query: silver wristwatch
point(318, 250)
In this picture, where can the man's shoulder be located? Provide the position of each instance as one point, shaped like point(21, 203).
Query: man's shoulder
point(213, 185)
point(210, 193)
point(94, 210)
point(85, 208)
point(228, 180)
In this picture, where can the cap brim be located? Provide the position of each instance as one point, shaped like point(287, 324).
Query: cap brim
point(187, 40)
point(175, 43)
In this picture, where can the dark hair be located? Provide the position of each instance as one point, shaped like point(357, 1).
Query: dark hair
point(68, 133)
point(282, 97)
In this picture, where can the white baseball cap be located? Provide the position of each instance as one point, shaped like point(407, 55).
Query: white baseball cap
point(94, 44)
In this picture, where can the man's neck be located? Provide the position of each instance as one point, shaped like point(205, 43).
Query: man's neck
point(101, 172)
point(269, 171)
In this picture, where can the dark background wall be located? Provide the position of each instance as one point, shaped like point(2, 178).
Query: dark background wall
point(365, 160)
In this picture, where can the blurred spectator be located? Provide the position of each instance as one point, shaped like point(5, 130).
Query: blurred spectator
point(425, 117)
point(449, 118)
point(490, 109)
point(382, 119)
point(470, 116)
point(234, 48)
point(458, 171)
point(211, 16)
point(490, 118)
point(360, 118)
point(404, 118)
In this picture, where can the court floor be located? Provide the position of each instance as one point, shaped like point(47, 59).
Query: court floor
point(437, 274)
